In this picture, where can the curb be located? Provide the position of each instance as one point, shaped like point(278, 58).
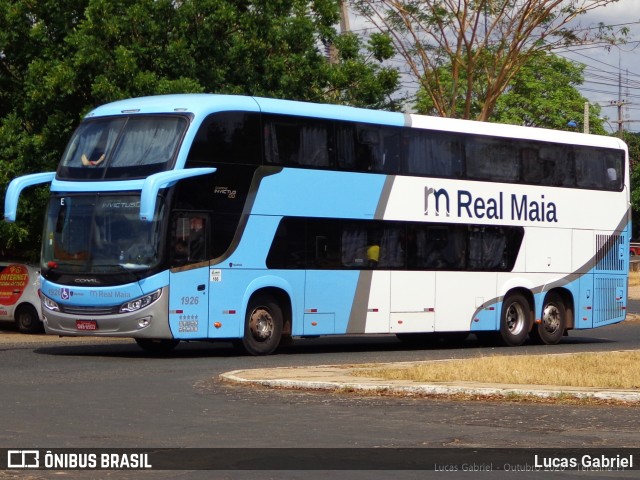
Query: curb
point(335, 378)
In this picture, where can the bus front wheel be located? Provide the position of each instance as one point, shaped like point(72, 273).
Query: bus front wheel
point(515, 320)
point(553, 322)
point(263, 326)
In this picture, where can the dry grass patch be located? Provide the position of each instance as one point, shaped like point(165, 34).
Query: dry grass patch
point(634, 278)
point(606, 370)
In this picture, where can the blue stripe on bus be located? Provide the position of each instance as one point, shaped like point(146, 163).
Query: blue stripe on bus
point(329, 293)
point(325, 294)
point(103, 296)
point(317, 193)
point(251, 253)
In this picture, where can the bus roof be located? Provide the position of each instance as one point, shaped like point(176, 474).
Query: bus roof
point(205, 104)
point(202, 105)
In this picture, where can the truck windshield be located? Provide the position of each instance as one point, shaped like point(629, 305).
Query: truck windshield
point(123, 147)
point(100, 234)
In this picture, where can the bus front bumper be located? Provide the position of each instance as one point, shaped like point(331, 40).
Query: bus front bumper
point(148, 322)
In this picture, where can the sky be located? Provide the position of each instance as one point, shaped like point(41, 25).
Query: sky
point(612, 75)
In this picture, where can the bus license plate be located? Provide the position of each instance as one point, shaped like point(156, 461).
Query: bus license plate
point(86, 325)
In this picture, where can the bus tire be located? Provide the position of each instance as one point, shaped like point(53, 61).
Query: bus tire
point(263, 326)
point(515, 320)
point(27, 319)
point(157, 346)
point(553, 322)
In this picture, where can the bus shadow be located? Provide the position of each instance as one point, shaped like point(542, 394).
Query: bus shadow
point(305, 346)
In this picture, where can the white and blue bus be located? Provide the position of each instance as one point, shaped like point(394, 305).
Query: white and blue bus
point(212, 217)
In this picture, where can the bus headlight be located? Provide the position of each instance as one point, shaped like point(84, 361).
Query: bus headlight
point(49, 304)
point(140, 302)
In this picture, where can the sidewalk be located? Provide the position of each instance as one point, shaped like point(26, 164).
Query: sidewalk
point(342, 378)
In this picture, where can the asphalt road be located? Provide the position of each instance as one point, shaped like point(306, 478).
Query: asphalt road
point(58, 393)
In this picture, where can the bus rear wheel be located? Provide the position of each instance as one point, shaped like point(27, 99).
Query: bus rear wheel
point(263, 326)
point(553, 322)
point(515, 320)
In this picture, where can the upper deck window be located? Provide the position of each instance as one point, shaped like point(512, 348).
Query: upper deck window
point(123, 147)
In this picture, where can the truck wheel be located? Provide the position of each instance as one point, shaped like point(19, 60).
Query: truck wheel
point(27, 319)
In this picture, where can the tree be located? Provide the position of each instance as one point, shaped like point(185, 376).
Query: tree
point(482, 43)
point(544, 93)
point(633, 142)
point(59, 59)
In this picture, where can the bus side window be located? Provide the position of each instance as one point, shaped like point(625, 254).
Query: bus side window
point(345, 146)
point(492, 159)
point(288, 246)
point(226, 137)
point(614, 162)
point(430, 153)
point(437, 247)
point(323, 244)
point(281, 142)
point(377, 149)
point(533, 168)
point(392, 149)
point(314, 145)
point(392, 247)
point(487, 247)
point(354, 246)
point(189, 239)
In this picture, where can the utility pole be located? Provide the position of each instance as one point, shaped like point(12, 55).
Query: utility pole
point(332, 53)
point(586, 118)
point(620, 103)
point(620, 122)
point(344, 17)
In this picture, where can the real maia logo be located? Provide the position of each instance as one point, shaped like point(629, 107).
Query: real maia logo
point(463, 204)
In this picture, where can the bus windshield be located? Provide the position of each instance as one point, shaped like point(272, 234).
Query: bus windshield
point(100, 234)
point(122, 147)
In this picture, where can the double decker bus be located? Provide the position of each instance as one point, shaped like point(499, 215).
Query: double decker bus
point(212, 217)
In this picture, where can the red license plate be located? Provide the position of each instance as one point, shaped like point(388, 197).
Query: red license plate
point(86, 325)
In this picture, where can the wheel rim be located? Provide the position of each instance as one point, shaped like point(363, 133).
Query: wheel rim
point(261, 324)
point(515, 319)
point(25, 319)
point(551, 318)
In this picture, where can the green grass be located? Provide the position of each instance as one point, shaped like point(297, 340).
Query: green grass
point(607, 370)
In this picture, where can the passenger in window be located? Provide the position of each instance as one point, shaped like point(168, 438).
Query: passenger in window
point(373, 255)
point(373, 248)
point(180, 250)
point(196, 239)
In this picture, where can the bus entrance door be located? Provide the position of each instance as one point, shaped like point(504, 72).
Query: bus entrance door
point(189, 303)
point(189, 277)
